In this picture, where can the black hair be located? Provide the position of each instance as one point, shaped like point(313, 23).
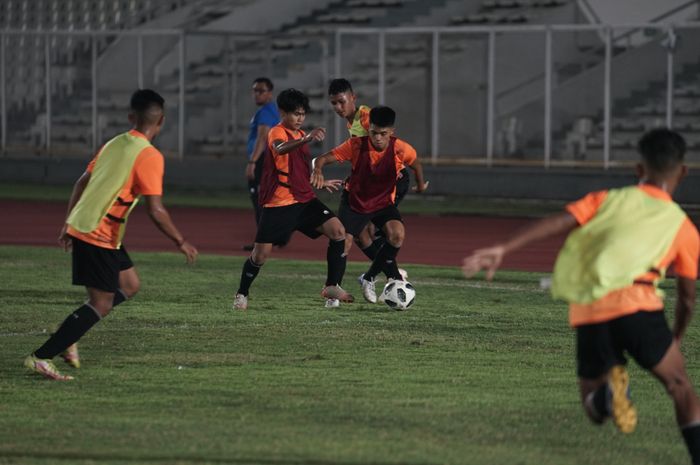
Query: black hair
point(147, 105)
point(383, 117)
point(289, 100)
point(662, 149)
point(264, 80)
point(338, 86)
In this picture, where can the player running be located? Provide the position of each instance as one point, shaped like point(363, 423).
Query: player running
point(290, 204)
point(620, 244)
point(376, 161)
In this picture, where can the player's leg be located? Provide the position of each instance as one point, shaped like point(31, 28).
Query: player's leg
point(129, 285)
point(386, 256)
point(315, 220)
point(276, 225)
point(251, 267)
point(336, 260)
point(673, 375)
point(98, 270)
point(129, 281)
point(99, 304)
point(366, 242)
point(603, 380)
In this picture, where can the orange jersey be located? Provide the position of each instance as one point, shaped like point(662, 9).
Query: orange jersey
point(146, 178)
point(682, 254)
point(282, 196)
point(404, 153)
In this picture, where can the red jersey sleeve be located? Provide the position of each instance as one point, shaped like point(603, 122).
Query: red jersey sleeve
point(148, 172)
point(584, 209)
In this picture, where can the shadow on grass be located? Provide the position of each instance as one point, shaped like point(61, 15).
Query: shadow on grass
point(73, 457)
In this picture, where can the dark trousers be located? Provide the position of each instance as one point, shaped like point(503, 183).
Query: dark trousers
point(254, 187)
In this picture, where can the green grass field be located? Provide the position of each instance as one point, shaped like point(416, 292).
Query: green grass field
point(474, 373)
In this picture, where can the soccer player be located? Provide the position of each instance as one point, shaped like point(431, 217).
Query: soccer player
point(376, 160)
point(264, 119)
point(289, 202)
point(344, 102)
point(621, 242)
point(126, 168)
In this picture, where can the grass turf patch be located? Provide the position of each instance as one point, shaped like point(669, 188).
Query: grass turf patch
point(475, 372)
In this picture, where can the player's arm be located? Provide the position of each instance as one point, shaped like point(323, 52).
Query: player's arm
point(78, 189)
point(421, 183)
point(490, 258)
point(685, 302)
point(161, 218)
point(282, 147)
point(258, 150)
point(317, 165)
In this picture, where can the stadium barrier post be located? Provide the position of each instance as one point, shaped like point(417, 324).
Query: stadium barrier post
point(47, 70)
point(435, 104)
point(548, 98)
point(93, 74)
point(338, 34)
point(181, 114)
point(607, 97)
point(3, 93)
point(382, 67)
point(670, 49)
point(491, 78)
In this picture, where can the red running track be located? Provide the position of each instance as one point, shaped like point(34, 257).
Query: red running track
point(430, 240)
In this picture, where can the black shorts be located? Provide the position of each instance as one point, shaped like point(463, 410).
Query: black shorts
point(278, 223)
point(98, 267)
point(355, 222)
point(403, 184)
point(644, 335)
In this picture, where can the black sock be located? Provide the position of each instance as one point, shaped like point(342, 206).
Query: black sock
point(336, 259)
point(385, 261)
point(250, 271)
point(371, 251)
point(70, 331)
point(119, 297)
point(691, 435)
point(600, 401)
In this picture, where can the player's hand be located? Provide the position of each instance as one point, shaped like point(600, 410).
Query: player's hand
point(250, 171)
point(418, 189)
point(64, 239)
point(189, 251)
point(333, 185)
point(488, 259)
point(317, 179)
point(316, 134)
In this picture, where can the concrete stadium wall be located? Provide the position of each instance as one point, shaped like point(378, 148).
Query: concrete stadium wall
point(517, 183)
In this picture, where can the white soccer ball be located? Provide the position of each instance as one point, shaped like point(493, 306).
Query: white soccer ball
point(399, 295)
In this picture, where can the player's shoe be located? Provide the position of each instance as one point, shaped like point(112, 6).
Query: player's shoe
point(332, 303)
point(368, 290)
point(45, 368)
point(240, 302)
point(404, 274)
point(338, 293)
point(70, 356)
point(622, 410)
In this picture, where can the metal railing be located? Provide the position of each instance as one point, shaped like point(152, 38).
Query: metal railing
point(491, 35)
point(491, 32)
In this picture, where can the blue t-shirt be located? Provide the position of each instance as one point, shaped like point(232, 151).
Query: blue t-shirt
point(267, 115)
